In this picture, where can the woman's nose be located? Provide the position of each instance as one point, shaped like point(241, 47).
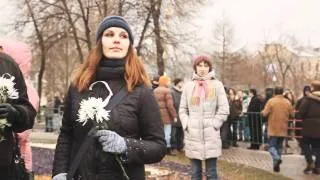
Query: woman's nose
point(116, 41)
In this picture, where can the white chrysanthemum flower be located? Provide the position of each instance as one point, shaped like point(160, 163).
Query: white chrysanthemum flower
point(7, 87)
point(7, 91)
point(93, 108)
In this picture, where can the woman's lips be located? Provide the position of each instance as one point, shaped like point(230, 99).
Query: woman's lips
point(116, 48)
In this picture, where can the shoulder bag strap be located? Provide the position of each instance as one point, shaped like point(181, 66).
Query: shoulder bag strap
point(88, 140)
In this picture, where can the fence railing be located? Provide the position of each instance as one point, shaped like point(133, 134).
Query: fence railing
point(52, 117)
point(252, 127)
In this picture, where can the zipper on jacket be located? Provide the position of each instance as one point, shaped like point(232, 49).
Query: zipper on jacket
point(202, 101)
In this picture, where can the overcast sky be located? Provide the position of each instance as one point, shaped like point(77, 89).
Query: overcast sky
point(254, 21)
point(7, 15)
point(257, 21)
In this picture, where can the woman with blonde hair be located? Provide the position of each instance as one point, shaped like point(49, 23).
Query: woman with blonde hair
point(132, 134)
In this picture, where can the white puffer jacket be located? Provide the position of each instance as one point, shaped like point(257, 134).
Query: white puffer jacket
point(201, 123)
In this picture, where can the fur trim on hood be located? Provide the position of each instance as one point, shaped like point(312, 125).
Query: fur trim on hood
point(22, 55)
point(20, 52)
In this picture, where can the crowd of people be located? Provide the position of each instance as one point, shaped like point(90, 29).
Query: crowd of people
point(272, 120)
point(197, 117)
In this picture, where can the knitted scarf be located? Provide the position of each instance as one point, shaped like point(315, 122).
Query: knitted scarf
point(203, 88)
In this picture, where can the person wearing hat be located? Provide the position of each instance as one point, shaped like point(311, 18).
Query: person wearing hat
point(310, 115)
point(305, 146)
point(167, 110)
point(135, 129)
point(203, 109)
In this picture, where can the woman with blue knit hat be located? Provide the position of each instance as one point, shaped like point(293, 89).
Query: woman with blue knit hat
point(111, 125)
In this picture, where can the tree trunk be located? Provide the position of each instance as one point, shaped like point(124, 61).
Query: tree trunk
point(85, 19)
point(120, 5)
point(145, 27)
point(155, 9)
point(42, 48)
point(74, 31)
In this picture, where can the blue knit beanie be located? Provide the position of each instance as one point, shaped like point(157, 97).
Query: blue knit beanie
point(113, 21)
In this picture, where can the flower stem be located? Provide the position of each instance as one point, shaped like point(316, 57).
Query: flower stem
point(122, 168)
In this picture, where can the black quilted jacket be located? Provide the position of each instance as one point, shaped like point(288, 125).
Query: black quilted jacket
point(23, 122)
point(136, 118)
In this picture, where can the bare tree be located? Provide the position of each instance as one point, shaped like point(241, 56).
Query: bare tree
point(223, 37)
point(44, 40)
point(155, 12)
point(64, 32)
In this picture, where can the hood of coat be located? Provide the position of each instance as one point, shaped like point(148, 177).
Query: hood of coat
point(314, 95)
point(20, 52)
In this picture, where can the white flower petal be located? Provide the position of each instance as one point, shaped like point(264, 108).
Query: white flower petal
point(93, 109)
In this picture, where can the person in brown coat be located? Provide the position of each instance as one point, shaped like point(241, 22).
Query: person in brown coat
point(278, 110)
point(167, 110)
point(310, 114)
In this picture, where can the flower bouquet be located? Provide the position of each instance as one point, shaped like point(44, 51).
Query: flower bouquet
point(94, 109)
point(7, 91)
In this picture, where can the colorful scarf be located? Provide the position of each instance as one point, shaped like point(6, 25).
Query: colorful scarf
point(203, 88)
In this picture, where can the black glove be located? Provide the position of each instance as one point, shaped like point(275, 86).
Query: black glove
point(9, 112)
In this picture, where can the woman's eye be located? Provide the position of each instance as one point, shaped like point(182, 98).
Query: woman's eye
point(108, 34)
point(124, 36)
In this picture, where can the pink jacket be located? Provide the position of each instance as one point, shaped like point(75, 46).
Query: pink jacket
point(21, 53)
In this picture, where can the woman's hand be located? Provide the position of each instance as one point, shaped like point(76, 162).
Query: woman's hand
point(111, 141)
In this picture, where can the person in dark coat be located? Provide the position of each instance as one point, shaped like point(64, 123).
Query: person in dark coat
point(235, 105)
point(17, 111)
point(56, 104)
point(155, 82)
point(177, 131)
point(305, 146)
point(306, 90)
point(310, 114)
point(135, 134)
point(225, 128)
point(255, 119)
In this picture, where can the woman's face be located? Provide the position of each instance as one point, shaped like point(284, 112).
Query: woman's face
point(202, 69)
point(115, 43)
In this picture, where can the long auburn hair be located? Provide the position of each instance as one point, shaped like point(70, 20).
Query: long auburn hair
point(135, 73)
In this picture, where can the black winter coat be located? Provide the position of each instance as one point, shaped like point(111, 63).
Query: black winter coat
point(136, 118)
point(176, 97)
point(235, 109)
point(25, 120)
point(310, 114)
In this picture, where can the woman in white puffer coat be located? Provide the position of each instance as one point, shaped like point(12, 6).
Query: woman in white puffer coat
point(203, 109)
